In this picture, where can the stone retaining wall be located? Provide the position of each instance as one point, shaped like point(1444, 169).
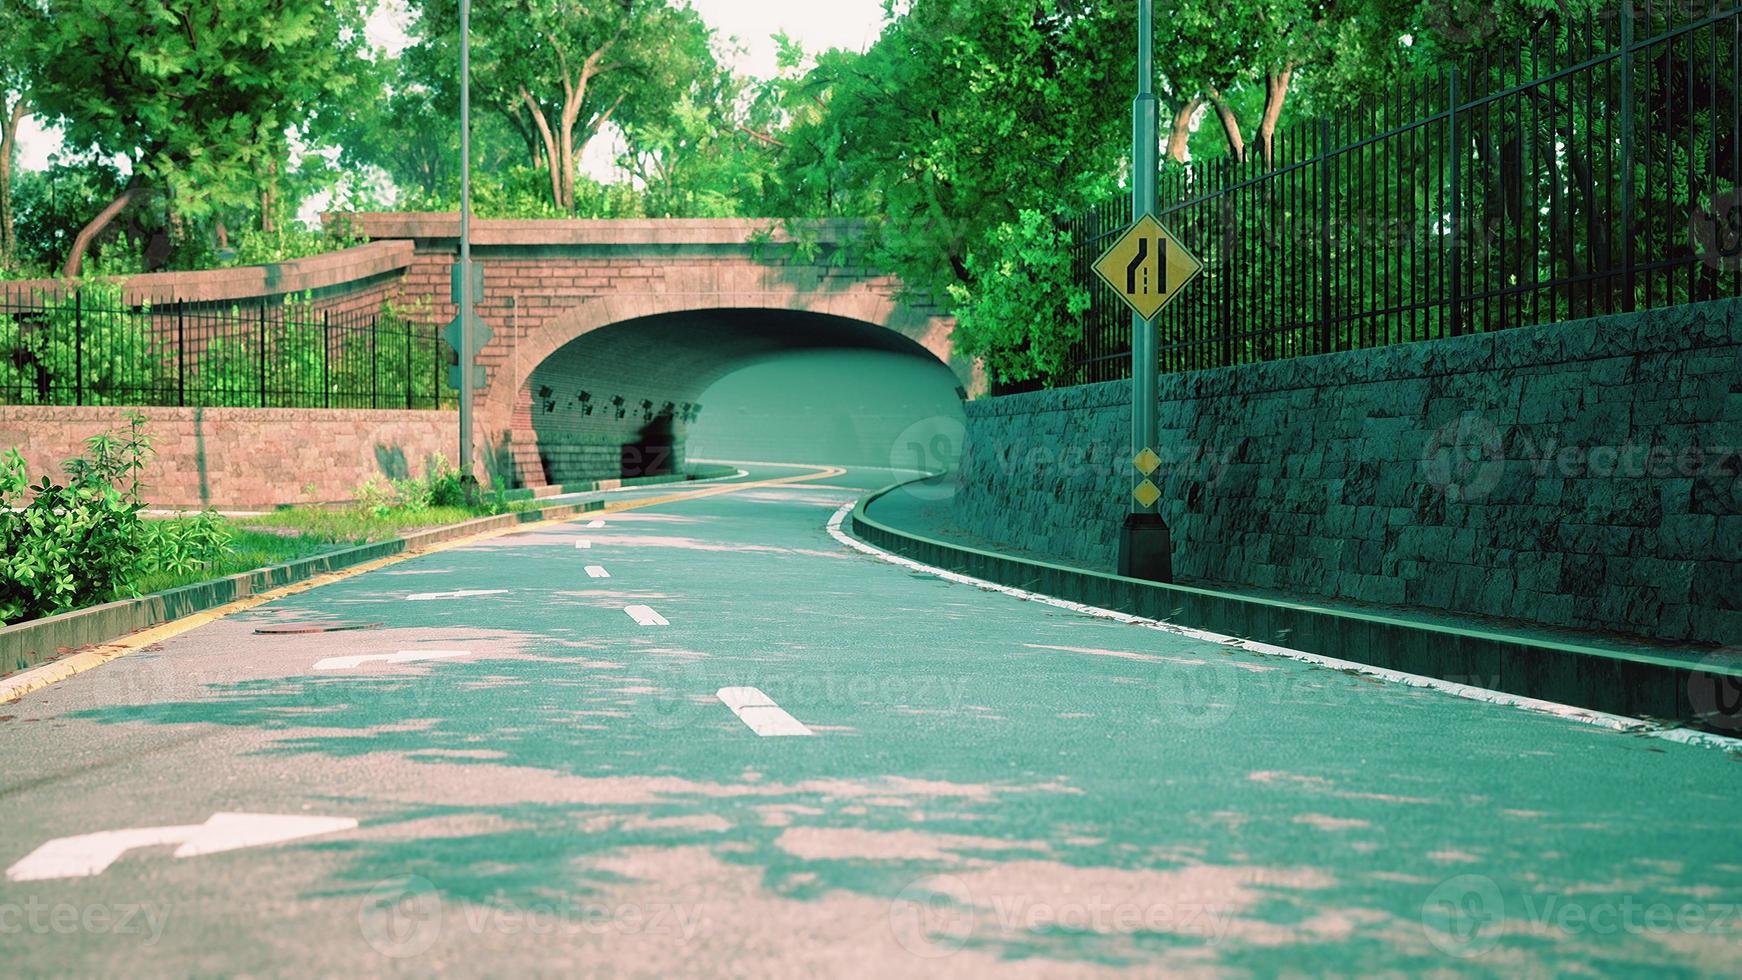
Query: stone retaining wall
point(1581, 475)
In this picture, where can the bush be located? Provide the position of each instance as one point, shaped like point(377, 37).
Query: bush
point(1026, 309)
point(86, 543)
point(440, 487)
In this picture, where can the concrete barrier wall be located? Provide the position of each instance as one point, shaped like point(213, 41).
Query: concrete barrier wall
point(1581, 475)
point(244, 458)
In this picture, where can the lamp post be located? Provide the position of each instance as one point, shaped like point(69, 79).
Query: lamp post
point(1145, 545)
point(467, 299)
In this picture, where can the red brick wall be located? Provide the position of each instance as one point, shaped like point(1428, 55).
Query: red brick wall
point(244, 458)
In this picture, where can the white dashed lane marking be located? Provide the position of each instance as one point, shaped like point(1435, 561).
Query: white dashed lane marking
point(595, 524)
point(597, 571)
point(584, 543)
point(759, 711)
point(462, 594)
point(402, 657)
point(645, 616)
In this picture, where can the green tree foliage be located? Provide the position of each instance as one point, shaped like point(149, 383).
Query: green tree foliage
point(202, 97)
point(559, 70)
point(712, 153)
point(962, 114)
point(1023, 277)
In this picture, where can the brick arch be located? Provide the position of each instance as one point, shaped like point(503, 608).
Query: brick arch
point(551, 283)
point(601, 376)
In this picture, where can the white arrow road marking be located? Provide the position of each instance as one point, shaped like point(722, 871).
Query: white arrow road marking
point(91, 854)
point(584, 543)
point(759, 711)
point(462, 594)
point(595, 523)
point(597, 571)
point(645, 616)
point(402, 657)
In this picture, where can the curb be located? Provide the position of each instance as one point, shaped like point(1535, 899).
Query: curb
point(1637, 684)
point(29, 644)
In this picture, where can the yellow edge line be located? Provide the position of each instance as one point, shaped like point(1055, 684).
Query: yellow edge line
point(38, 678)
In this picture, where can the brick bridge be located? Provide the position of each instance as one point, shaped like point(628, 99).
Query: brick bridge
point(607, 332)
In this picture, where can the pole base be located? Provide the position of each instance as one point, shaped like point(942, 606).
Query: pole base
point(1146, 548)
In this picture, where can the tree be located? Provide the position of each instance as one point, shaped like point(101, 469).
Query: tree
point(963, 113)
point(560, 70)
point(712, 153)
point(202, 97)
point(16, 73)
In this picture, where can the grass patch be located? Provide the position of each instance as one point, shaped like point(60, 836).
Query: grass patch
point(363, 524)
point(248, 550)
point(302, 532)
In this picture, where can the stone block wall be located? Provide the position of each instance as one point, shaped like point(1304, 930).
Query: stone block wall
point(244, 458)
point(1581, 475)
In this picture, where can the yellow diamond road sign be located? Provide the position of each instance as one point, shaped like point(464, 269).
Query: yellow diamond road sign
point(1146, 462)
point(1148, 267)
point(1146, 494)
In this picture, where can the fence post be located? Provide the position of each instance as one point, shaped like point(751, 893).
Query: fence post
point(1629, 281)
point(326, 359)
point(1455, 148)
point(263, 352)
point(78, 347)
point(181, 354)
point(1324, 209)
point(407, 325)
point(374, 362)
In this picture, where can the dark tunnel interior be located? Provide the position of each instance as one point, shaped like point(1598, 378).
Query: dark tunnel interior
point(640, 397)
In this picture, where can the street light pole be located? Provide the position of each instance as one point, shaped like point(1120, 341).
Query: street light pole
point(1145, 546)
point(466, 298)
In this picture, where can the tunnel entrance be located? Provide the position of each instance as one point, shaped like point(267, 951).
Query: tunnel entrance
point(640, 397)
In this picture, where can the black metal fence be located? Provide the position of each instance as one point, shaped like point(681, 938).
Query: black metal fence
point(1593, 170)
point(92, 347)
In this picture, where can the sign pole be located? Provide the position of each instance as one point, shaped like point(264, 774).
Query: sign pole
point(467, 298)
point(1145, 546)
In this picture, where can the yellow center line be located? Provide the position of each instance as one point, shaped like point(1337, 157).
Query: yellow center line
point(38, 678)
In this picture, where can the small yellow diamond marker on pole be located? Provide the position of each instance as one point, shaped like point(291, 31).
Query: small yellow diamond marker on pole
point(1146, 494)
point(1146, 461)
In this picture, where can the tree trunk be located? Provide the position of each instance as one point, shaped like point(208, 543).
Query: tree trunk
point(1275, 93)
point(550, 150)
point(88, 234)
point(8, 147)
point(1180, 133)
point(1230, 125)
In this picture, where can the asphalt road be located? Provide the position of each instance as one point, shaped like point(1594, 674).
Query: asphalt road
point(566, 772)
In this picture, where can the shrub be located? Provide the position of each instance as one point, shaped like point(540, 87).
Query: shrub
point(1026, 309)
point(86, 542)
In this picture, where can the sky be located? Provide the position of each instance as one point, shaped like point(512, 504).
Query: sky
point(816, 24)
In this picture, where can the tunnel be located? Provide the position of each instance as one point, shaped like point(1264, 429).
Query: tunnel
point(641, 397)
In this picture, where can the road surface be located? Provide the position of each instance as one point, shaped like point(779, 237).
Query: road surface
point(708, 737)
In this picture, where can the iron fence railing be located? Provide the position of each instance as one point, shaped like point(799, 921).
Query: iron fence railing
point(1593, 170)
point(90, 346)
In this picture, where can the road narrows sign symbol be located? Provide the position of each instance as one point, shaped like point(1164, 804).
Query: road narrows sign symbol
point(1147, 266)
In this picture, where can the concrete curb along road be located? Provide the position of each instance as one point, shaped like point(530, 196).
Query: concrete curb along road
point(1617, 683)
point(24, 646)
